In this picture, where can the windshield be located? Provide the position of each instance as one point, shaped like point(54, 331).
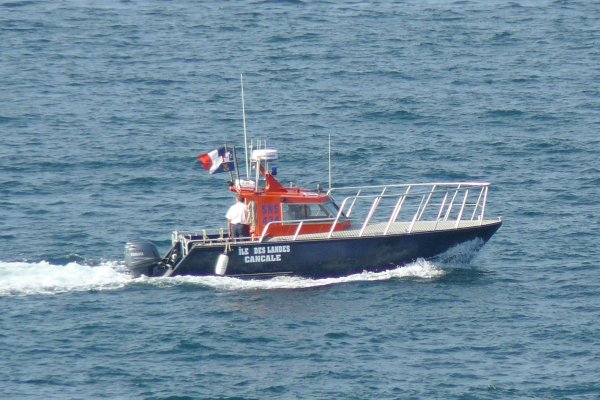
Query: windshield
point(309, 211)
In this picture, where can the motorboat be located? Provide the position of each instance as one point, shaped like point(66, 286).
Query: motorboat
point(324, 233)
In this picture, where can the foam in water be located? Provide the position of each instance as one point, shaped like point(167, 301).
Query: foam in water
point(420, 269)
point(22, 278)
point(461, 254)
point(43, 278)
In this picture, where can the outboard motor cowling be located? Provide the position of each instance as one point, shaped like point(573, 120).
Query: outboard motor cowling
point(141, 256)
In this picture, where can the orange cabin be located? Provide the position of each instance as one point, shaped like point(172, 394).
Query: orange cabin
point(282, 210)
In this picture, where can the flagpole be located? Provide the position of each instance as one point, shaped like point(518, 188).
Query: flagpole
point(245, 132)
point(230, 172)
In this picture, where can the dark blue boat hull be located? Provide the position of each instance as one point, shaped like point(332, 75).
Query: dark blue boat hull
point(329, 258)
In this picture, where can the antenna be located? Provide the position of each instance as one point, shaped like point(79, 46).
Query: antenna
point(245, 132)
point(329, 160)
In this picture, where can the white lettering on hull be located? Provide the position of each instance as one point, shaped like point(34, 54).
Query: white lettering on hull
point(263, 253)
point(263, 258)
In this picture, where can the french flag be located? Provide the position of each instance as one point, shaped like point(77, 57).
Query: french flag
point(219, 160)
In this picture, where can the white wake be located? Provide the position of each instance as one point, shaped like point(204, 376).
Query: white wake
point(43, 278)
point(420, 269)
point(23, 278)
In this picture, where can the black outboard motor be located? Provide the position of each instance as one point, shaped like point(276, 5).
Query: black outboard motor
point(141, 256)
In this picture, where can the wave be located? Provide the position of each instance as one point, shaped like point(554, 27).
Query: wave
point(44, 278)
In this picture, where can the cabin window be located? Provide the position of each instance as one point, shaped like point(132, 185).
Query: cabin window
point(297, 211)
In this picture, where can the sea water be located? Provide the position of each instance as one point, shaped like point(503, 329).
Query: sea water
point(105, 106)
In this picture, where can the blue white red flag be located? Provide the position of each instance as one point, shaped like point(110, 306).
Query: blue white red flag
point(219, 160)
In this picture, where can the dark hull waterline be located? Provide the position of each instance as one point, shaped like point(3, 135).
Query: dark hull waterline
point(323, 258)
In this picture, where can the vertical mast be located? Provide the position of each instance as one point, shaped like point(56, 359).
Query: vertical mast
point(237, 169)
point(245, 133)
point(329, 160)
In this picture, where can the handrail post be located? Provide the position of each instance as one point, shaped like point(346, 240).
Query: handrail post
point(265, 230)
point(451, 203)
point(397, 209)
point(395, 213)
point(370, 215)
point(477, 204)
point(298, 230)
point(462, 208)
point(352, 205)
point(372, 210)
point(427, 202)
point(412, 223)
point(421, 205)
point(484, 202)
point(417, 215)
point(337, 218)
point(441, 210)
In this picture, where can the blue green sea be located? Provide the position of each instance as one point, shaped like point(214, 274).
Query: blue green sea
point(106, 105)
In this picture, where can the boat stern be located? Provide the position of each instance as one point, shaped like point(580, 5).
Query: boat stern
point(141, 257)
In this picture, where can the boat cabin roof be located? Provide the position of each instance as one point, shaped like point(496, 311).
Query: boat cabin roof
point(273, 189)
point(278, 211)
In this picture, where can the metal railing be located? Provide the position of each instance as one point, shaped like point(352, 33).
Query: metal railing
point(205, 237)
point(300, 222)
point(375, 210)
point(437, 202)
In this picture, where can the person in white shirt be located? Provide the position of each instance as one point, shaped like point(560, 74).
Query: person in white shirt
point(237, 218)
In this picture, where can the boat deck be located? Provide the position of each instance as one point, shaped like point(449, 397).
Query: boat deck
point(373, 211)
point(379, 229)
point(196, 239)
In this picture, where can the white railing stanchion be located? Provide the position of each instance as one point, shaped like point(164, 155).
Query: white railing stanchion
point(337, 217)
point(477, 204)
point(462, 208)
point(352, 205)
point(421, 205)
point(451, 204)
point(265, 230)
point(412, 223)
point(298, 230)
point(439, 216)
point(427, 202)
point(370, 215)
point(394, 214)
point(483, 205)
